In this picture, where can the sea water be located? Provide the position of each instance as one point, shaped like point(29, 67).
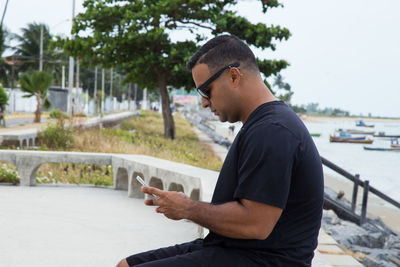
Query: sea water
point(380, 168)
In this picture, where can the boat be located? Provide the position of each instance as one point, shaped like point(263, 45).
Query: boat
point(315, 134)
point(361, 123)
point(354, 140)
point(394, 143)
point(359, 132)
point(381, 148)
point(383, 135)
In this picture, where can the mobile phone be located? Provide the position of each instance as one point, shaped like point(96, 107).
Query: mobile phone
point(140, 180)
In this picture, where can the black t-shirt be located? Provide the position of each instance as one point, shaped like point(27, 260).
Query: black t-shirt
point(273, 160)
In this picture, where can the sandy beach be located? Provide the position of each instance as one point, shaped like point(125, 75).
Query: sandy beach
point(376, 207)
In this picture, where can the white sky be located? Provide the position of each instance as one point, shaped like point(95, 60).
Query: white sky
point(343, 53)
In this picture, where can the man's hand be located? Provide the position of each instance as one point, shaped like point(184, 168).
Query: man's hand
point(244, 219)
point(174, 205)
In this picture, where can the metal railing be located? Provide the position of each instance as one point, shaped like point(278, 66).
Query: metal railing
point(351, 213)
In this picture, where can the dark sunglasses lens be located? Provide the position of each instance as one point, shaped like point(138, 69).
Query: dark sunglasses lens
point(203, 94)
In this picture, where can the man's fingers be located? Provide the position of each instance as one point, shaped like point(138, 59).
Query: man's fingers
point(152, 190)
point(149, 202)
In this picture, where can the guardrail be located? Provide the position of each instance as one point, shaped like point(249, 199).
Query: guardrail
point(351, 213)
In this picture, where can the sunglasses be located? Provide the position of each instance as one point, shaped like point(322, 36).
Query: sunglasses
point(202, 88)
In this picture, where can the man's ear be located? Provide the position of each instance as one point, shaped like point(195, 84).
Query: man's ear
point(235, 76)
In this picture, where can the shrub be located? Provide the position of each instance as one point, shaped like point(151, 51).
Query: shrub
point(3, 96)
point(58, 114)
point(56, 137)
point(8, 175)
point(80, 114)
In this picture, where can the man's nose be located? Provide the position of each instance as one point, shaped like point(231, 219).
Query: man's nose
point(205, 102)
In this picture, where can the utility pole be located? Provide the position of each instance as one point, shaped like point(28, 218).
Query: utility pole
point(111, 89)
point(102, 90)
point(41, 49)
point(77, 74)
point(12, 71)
point(63, 77)
point(95, 91)
point(71, 69)
point(129, 95)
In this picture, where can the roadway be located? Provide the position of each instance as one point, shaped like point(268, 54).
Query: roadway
point(16, 120)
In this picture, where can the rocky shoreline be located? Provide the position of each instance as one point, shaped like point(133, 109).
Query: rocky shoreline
point(373, 243)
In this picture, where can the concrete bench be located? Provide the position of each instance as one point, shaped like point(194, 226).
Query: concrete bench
point(195, 182)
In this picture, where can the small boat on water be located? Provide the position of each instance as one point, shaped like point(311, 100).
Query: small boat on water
point(381, 148)
point(382, 134)
point(361, 123)
point(354, 140)
point(360, 132)
point(315, 134)
point(394, 143)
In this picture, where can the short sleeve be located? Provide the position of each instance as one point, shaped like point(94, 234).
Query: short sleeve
point(265, 164)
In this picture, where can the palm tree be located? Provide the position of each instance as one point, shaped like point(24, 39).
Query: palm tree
point(5, 68)
point(37, 85)
point(28, 51)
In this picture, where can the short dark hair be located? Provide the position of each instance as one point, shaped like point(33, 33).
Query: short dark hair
point(223, 50)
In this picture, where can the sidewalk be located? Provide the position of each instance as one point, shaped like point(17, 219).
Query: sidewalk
point(72, 225)
point(25, 135)
point(328, 252)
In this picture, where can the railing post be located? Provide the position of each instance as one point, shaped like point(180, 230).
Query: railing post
point(355, 193)
point(364, 203)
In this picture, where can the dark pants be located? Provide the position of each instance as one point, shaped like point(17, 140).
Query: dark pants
point(195, 254)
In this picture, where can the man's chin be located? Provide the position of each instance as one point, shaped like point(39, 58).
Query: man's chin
point(222, 119)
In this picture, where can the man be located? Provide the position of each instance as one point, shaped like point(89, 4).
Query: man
point(267, 205)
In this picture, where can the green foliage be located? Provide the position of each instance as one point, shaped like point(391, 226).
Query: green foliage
point(58, 114)
point(8, 175)
point(286, 95)
point(3, 96)
point(69, 173)
point(146, 130)
point(37, 84)
point(56, 137)
point(27, 51)
point(80, 114)
point(5, 69)
point(134, 35)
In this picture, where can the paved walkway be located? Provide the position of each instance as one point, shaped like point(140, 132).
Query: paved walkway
point(75, 226)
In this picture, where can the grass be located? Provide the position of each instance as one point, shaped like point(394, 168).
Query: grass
point(140, 135)
point(145, 135)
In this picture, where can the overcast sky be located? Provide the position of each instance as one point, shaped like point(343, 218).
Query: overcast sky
point(343, 53)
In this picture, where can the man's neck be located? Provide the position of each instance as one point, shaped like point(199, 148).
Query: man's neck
point(255, 98)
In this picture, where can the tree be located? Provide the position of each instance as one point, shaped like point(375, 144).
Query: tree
point(281, 85)
point(28, 51)
point(5, 68)
point(3, 104)
point(134, 35)
point(37, 85)
point(3, 96)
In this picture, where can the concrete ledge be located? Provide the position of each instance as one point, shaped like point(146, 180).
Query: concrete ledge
point(196, 182)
